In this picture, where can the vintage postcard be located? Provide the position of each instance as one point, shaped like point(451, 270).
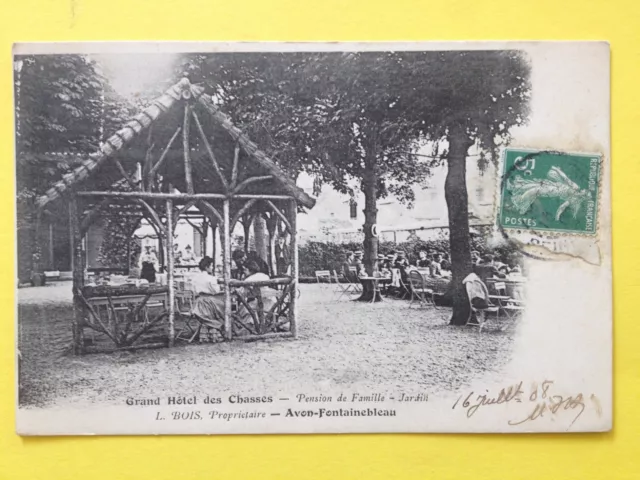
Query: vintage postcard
point(236, 238)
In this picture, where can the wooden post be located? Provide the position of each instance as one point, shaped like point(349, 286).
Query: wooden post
point(203, 237)
point(272, 227)
point(214, 240)
point(226, 268)
point(51, 261)
point(169, 235)
point(185, 146)
point(78, 262)
point(293, 246)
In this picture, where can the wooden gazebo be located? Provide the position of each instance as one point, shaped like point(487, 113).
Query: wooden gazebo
point(180, 153)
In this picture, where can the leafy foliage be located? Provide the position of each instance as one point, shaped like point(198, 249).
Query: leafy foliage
point(319, 113)
point(64, 109)
point(329, 255)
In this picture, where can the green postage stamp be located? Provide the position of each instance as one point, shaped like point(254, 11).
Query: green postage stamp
point(550, 191)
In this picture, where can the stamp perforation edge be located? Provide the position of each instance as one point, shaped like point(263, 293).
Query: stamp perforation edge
point(545, 233)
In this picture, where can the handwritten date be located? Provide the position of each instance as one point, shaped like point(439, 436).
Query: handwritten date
point(544, 402)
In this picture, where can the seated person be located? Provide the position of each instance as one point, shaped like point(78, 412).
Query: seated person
point(209, 306)
point(515, 270)
point(445, 264)
point(423, 260)
point(401, 260)
point(382, 266)
point(478, 297)
point(253, 256)
point(188, 258)
point(504, 270)
point(487, 269)
point(177, 254)
point(347, 263)
point(269, 295)
point(402, 264)
point(357, 262)
point(240, 259)
point(435, 270)
point(389, 262)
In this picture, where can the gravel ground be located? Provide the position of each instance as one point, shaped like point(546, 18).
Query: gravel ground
point(347, 345)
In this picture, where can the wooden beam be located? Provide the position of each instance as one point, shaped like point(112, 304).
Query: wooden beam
point(253, 151)
point(179, 196)
point(184, 209)
point(188, 177)
point(293, 247)
point(234, 171)
point(152, 213)
point(264, 336)
point(124, 173)
point(282, 216)
point(204, 205)
point(146, 346)
point(161, 196)
point(148, 159)
point(195, 227)
point(78, 262)
point(239, 213)
point(226, 269)
point(158, 164)
point(250, 180)
point(216, 166)
point(246, 196)
point(170, 284)
point(261, 283)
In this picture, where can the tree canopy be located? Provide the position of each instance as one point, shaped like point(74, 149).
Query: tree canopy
point(64, 107)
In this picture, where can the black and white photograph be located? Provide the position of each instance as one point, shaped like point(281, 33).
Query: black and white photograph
point(247, 238)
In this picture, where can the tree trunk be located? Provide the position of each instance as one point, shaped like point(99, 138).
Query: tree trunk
point(272, 228)
point(455, 188)
point(260, 234)
point(370, 190)
point(246, 226)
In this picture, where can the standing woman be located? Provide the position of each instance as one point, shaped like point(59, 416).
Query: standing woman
point(148, 265)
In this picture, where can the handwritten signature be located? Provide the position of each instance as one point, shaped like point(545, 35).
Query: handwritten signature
point(544, 400)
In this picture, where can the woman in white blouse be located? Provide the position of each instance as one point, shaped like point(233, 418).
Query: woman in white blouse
point(269, 295)
point(209, 306)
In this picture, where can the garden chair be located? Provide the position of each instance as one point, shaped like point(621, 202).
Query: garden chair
point(356, 287)
point(185, 300)
point(419, 290)
point(323, 276)
point(404, 290)
point(511, 307)
point(479, 313)
point(342, 288)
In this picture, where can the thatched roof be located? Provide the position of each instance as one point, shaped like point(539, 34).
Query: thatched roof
point(164, 116)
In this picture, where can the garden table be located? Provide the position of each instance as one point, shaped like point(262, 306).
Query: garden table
point(371, 288)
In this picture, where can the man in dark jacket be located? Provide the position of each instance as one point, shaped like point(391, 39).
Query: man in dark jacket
point(283, 258)
point(240, 259)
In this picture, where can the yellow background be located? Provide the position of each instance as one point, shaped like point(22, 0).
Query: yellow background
point(587, 456)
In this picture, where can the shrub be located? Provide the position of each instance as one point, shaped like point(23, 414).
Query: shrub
point(327, 255)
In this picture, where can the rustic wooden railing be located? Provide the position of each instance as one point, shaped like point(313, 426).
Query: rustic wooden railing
point(120, 320)
point(263, 313)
